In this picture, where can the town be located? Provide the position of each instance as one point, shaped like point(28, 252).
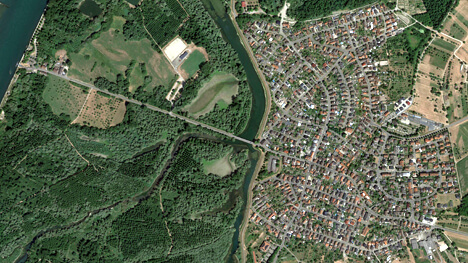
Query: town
point(347, 178)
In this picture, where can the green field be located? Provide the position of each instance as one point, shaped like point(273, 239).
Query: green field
point(111, 54)
point(462, 19)
point(220, 87)
point(438, 58)
point(462, 168)
point(444, 44)
point(460, 243)
point(457, 31)
point(220, 167)
point(192, 63)
point(64, 97)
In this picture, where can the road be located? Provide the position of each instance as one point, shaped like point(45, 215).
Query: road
point(151, 107)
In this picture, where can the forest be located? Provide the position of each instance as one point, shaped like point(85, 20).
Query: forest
point(130, 187)
point(309, 9)
point(437, 10)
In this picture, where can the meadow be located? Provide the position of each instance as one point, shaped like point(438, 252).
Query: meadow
point(192, 64)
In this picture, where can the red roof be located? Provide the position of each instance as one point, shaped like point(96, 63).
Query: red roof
point(244, 4)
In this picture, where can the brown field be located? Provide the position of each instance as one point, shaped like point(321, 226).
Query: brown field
point(425, 101)
point(101, 112)
point(460, 240)
point(462, 52)
point(426, 67)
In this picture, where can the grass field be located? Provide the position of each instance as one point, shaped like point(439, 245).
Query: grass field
point(438, 58)
point(110, 55)
point(221, 87)
point(220, 167)
point(457, 31)
point(192, 63)
point(64, 97)
point(462, 168)
point(444, 44)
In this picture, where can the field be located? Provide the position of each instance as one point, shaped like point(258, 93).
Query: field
point(221, 87)
point(454, 28)
point(110, 55)
point(101, 111)
point(448, 46)
point(220, 167)
point(445, 198)
point(192, 63)
point(461, 241)
point(427, 103)
point(64, 97)
point(456, 102)
point(462, 168)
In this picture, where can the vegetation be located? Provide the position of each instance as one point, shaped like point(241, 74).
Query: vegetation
point(126, 190)
point(192, 63)
point(437, 10)
point(303, 10)
point(271, 7)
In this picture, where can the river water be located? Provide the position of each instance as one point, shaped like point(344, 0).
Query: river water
point(217, 11)
point(17, 24)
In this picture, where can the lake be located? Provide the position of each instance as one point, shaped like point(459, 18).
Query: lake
point(17, 23)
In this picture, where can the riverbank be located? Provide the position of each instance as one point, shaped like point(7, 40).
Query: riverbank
point(266, 89)
point(245, 221)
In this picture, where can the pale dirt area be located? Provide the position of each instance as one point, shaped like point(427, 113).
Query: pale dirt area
point(101, 112)
point(424, 102)
point(462, 8)
point(462, 52)
point(456, 236)
point(174, 92)
point(221, 167)
point(456, 75)
point(174, 48)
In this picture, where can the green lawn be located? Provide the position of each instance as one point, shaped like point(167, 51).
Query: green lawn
point(444, 44)
point(192, 63)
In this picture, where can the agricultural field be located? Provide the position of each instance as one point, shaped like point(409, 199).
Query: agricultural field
point(101, 111)
point(462, 168)
point(192, 64)
point(63, 97)
point(443, 44)
point(456, 100)
point(461, 242)
point(219, 89)
point(111, 55)
point(427, 103)
point(459, 138)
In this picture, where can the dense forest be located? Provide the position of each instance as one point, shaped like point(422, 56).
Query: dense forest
point(309, 9)
point(271, 7)
point(437, 10)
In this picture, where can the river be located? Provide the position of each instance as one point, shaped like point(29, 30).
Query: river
point(17, 24)
point(218, 12)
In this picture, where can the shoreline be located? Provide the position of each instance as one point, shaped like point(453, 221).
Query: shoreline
point(15, 76)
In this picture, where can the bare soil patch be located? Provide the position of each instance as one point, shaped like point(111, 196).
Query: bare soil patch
point(101, 111)
point(426, 103)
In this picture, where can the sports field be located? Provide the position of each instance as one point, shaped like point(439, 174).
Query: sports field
point(63, 97)
point(221, 87)
point(192, 63)
point(111, 54)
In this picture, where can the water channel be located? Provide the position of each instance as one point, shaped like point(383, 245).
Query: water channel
point(219, 14)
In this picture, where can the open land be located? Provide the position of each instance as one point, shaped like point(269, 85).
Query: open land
point(110, 55)
point(220, 167)
point(221, 87)
point(63, 97)
point(427, 103)
point(462, 167)
point(101, 111)
point(460, 240)
point(192, 63)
